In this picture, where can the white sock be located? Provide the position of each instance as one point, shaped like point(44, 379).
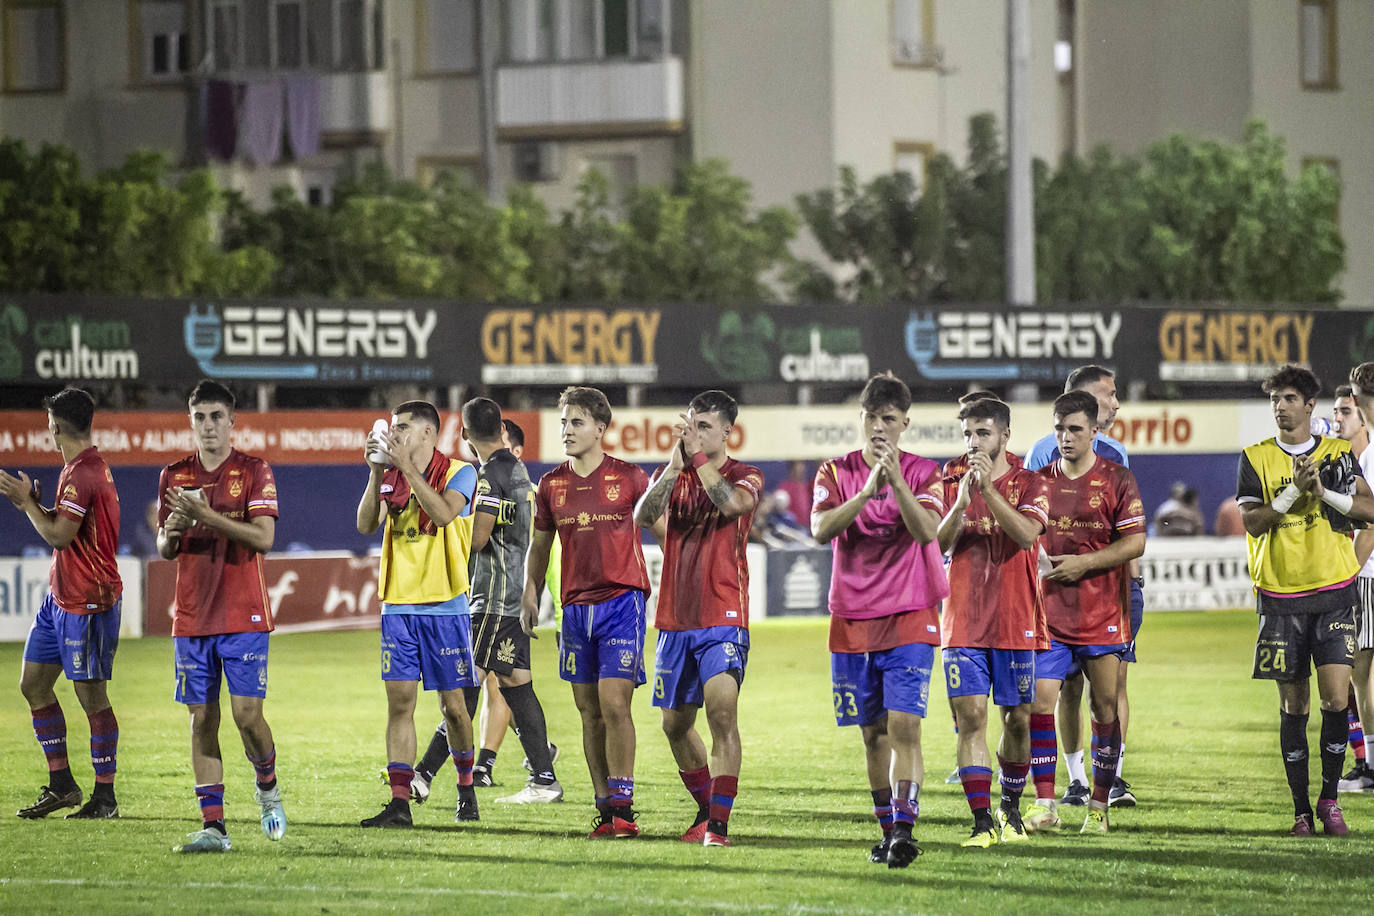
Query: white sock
point(1074, 763)
point(1120, 757)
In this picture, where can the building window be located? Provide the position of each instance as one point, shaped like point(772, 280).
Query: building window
point(35, 46)
point(160, 49)
point(1317, 37)
point(620, 170)
point(446, 33)
point(913, 34)
point(572, 30)
point(286, 35)
point(913, 157)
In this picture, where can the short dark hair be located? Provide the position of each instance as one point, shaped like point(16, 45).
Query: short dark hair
point(209, 391)
point(715, 401)
point(1344, 391)
point(422, 410)
point(1071, 402)
point(977, 396)
point(987, 409)
point(1362, 377)
point(1084, 376)
point(482, 419)
point(1301, 380)
point(884, 389)
point(73, 408)
point(591, 400)
point(514, 433)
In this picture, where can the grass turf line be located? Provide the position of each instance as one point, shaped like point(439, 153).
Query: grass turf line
point(1202, 756)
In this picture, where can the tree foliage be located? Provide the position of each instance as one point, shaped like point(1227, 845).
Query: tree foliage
point(1190, 220)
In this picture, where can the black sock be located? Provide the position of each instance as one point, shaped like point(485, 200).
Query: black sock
point(486, 759)
point(1333, 738)
point(218, 825)
point(719, 828)
point(104, 790)
point(61, 781)
point(528, 716)
point(435, 754)
point(1293, 744)
point(471, 697)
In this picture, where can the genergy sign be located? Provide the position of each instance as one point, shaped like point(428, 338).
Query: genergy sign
point(569, 346)
point(1199, 346)
point(788, 433)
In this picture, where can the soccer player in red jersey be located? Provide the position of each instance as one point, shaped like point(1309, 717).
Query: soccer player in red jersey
point(879, 509)
point(993, 620)
point(1096, 527)
point(702, 616)
point(589, 502)
point(76, 630)
point(217, 512)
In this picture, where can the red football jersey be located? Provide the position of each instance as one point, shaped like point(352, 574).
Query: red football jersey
point(595, 520)
point(84, 576)
point(1085, 515)
point(705, 581)
point(220, 588)
point(994, 596)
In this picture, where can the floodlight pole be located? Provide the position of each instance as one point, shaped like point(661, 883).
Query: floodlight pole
point(1020, 227)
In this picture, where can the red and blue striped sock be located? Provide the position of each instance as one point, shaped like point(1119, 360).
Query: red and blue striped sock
point(104, 746)
point(1355, 729)
point(905, 805)
point(622, 791)
point(723, 792)
point(882, 808)
point(399, 774)
point(1106, 746)
point(50, 728)
point(977, 787)
point(1013, 777)
point(1044, 754)
point(698, 783)
point(265, 768)
point(462, 762)
point(211, 800)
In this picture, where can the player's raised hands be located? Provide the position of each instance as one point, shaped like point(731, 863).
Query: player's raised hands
point(980, 469)
point(877, 477)
point(677, 458)
point(1306, 476)
point(691, 439)
point(21, 490)
point(189, 504)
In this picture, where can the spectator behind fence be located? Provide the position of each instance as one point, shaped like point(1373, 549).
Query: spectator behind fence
point(1228, 523)
point(143, 539)
point(1179, 515)
point(798, 487)
point(774, 525)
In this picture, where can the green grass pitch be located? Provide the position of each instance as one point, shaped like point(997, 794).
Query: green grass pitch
point(1202, 755)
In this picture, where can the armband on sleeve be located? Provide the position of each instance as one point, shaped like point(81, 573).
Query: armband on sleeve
point(1284, 501)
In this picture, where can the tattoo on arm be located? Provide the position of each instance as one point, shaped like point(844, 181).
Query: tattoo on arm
point(656, 500)
point(720, 492)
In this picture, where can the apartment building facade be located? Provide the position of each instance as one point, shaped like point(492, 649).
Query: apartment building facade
point(303, 92)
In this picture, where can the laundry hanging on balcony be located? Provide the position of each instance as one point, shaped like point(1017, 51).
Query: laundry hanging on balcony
point(249, 119)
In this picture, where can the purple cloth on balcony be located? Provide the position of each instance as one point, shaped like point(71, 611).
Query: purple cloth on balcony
point(260, 121)
point(221, 133)
point(303, 114)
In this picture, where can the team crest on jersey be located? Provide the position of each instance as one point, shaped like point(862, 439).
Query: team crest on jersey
point(505, 653)
point(612, 492)
point(461, 665)
point(235, 488)
point(627, 658)
point(820, 494)
point(1135, 508)
point(69, 493)
point(76, 658)
point(269, 491)
point(1095, 500)
point(1042, 503)
point(728, 649)
point(1023, 683)
point(1349, 644)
